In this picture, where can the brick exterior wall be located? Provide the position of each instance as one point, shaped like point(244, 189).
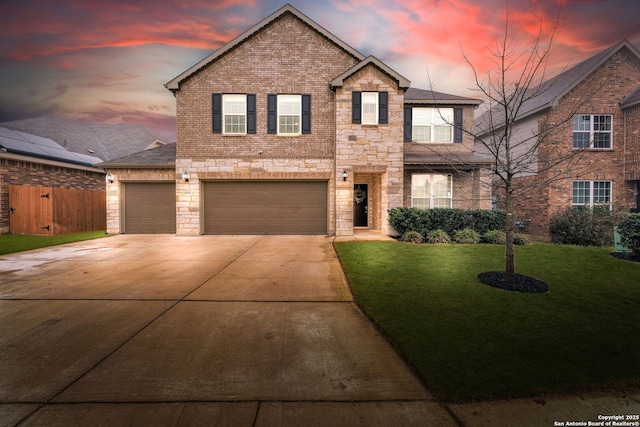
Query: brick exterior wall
point(599, 93)
point(285, 57)
point(22, 172)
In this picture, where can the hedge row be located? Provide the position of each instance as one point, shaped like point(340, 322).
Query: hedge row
point(449, 220)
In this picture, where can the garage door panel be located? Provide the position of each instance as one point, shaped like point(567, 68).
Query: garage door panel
point(265, 207)
point(150, 208)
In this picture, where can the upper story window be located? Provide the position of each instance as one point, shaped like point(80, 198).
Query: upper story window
point(370, 108)
point(234, 111)
point(592, 131)
point(591, 193)
point(431, 124)
point(430, 191)
point(289, 114)
point(233, 114)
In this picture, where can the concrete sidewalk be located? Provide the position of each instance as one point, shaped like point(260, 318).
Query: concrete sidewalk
point(215, 330)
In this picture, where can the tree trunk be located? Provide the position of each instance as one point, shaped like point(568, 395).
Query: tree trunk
point(509, 259)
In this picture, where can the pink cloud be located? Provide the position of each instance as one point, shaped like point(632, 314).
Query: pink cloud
point(74, 25)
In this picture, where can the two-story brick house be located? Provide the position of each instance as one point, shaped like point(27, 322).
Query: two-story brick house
point(597, 106)
point(289, 130)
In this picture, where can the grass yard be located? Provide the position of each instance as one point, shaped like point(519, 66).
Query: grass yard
point(10, 243)
point(471, 341)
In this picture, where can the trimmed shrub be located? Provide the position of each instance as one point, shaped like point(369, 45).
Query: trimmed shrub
point(412, 237)
point(450, 220)
point(466, 236)
point(584, 227)
point(495, 237)
point(629, 229)
point(438, 236)
point(521, 239)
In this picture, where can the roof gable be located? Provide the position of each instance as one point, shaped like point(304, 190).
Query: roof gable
point(174, 84)
point(403, 82)
point(554, 89)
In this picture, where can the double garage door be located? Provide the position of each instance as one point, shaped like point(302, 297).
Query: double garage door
point(265, 207)
point(232, 207)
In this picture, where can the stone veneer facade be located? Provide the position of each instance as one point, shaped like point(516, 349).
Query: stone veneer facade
point(289, 54)
point(115, 190)
point(369, 153)
point(289, 57)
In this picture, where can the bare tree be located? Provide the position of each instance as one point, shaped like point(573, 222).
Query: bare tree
point(515, 85)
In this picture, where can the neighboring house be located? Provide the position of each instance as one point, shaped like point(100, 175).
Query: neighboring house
point(32, 161)
point(289, 130)
point(105, 141)
point(605, 128)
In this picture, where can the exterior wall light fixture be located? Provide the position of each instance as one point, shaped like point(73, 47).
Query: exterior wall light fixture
point(109, 178)
point(185, 176)
point(344, 175)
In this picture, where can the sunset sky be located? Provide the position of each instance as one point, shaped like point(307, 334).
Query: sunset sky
point(106, 61)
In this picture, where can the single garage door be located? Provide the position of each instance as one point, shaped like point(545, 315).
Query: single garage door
point(149, 208)
point(265, 207)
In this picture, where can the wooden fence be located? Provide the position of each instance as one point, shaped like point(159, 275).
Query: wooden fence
point(48, 210)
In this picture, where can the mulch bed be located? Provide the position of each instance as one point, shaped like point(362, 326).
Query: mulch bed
point(519, 283)
point(629, 256)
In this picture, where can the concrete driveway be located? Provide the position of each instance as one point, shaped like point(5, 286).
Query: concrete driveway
point(207, 330)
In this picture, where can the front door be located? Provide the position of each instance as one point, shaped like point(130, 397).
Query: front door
point(360, 205)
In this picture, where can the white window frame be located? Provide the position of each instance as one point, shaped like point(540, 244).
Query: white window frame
point(585, 195)
point(370, 108)
point(591, 130)
point(292, 115)
point(428, 198)
point(228, 112)
point(425, 121)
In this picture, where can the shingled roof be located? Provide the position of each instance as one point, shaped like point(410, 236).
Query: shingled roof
point(163, 156)
point(552, 90)
point(105, 141)
point(14, 142)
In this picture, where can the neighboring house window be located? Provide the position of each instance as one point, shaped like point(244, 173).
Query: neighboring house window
point(592, 131)
point(233, 114)
point(370, 108)
point(591, 193)
point(234, 111)
point(429, 191)
point(289, 114)
point(430, 124)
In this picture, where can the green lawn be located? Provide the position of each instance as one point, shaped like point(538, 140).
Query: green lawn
point(471, 341)
point(10, 243)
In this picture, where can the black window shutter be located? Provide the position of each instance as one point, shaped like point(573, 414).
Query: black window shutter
point(383, 108)
point(251, 113)
point(306, 113)
point(356, 107)
point(457, 125)
point(272, 113)
point(408, 124)
point(216, 110)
